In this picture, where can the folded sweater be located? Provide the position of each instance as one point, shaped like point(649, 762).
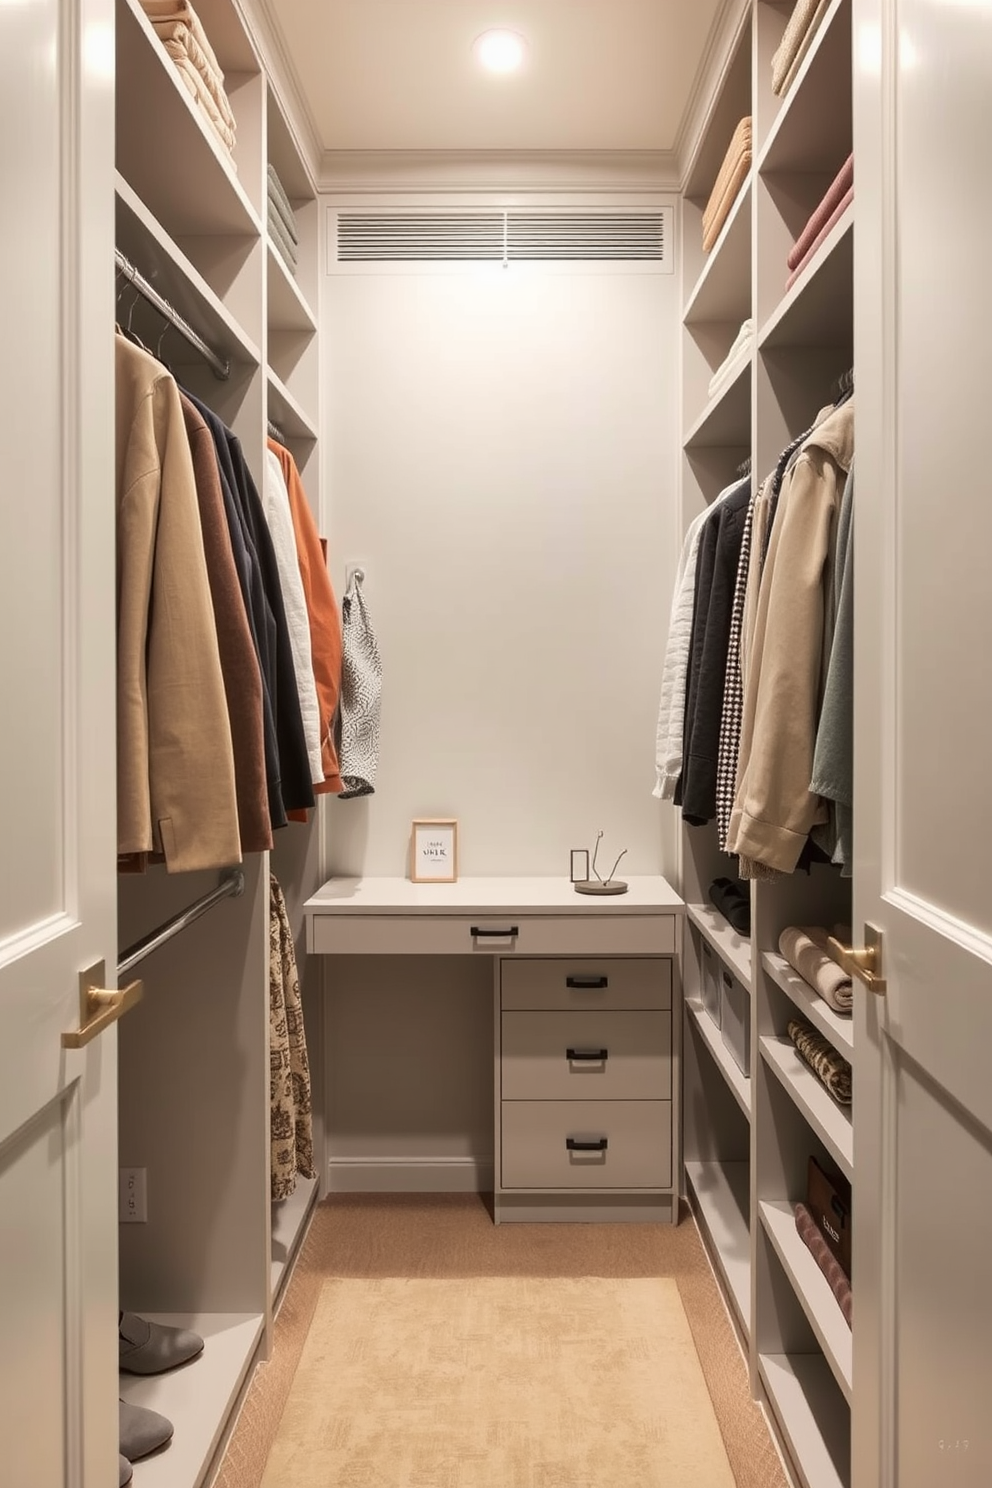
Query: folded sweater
point(735, 356)
point(821, 236)
point(180, 39)
point(795, 43)
point(731, 177)
point(835, 193)
point(198, 90)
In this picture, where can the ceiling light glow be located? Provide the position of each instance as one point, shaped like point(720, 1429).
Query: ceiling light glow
point(500, 51)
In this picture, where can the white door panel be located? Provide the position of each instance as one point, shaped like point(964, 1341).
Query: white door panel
point(923, 710)
point(58, 1231)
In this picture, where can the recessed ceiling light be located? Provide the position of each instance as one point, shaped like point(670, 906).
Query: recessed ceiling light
point(500, 51)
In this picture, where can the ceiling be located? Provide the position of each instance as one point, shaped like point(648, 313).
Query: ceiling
point(391, 75)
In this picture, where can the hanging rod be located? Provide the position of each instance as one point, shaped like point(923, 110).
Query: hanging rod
point(231, 886)
point(220, 366)
point(276, 433)
point(844, 384)
point(744, 468)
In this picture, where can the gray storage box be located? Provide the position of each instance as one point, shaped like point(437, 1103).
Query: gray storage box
point(735, 1019)
point(709, 974)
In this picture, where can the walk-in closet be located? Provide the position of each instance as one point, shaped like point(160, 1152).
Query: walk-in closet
point(486, 804)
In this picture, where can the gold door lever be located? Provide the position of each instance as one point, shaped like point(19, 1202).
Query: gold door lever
point(99, 1006)
point(863, 962)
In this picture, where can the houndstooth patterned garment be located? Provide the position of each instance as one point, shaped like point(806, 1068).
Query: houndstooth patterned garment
point(733, 692)
point(289, 1069)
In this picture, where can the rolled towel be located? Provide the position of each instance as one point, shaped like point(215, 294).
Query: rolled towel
point(827, 1262)
point(796, 40)
point(279, 199)
point(734, 903)
point(830, 1068)
point(807, 950)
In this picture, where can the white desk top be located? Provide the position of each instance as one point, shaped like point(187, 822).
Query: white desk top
point(524, 896)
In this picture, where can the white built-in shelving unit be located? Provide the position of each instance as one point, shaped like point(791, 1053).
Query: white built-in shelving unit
point(747, 1138)
point(215, 1253)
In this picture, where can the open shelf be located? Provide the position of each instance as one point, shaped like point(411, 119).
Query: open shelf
point(740, 1085)
point(733, 949)
point(812, 130)
point(721, 1194)
point(819, 308)
point(287, 307)
point(726, 419)
point(834, 1026)
point(831, 1122)
point(286, 411)
point(811, 1287)
point(143, 239)
point(723, 289)
point(197, 1398)
point(289, 1222)
point(164, 133)
point(814, 1418)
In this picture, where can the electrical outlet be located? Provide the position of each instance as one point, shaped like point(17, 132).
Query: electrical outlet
point(132, 1198)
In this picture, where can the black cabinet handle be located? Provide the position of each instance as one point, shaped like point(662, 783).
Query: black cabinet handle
point(598, 1144)
point(595, 1056)
point(498, 934)
point(587, 983)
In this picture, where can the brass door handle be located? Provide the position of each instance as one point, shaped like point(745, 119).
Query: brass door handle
point(863, 962)
point(99, 1006)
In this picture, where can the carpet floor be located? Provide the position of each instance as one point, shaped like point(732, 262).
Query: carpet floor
point(399, 1298)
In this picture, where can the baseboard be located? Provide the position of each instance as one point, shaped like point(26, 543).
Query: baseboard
point(409, 1175)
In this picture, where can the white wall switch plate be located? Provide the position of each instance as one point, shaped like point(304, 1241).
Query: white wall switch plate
point(132, 1198)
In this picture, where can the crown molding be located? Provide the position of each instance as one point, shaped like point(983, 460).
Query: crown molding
point(263, 22)
point(721, 44)
point(473, 171)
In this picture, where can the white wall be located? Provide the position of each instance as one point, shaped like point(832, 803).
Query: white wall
point(501, 448)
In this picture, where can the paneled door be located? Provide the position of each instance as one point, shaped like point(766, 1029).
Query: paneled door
point(58, 1203)
point(922, 1223)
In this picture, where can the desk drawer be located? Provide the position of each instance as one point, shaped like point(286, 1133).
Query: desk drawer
point(584, 984)
point(637, 1134)
point(507, 934)
point(636, 1050)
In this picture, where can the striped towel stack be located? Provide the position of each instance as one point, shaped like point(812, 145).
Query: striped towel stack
point(795, 43)
point(733, 174)
point(282, 222)
point(181, 32)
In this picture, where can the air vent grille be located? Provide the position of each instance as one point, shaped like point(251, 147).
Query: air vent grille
point(503, 237)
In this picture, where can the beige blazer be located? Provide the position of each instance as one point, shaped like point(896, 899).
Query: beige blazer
point(175, 764)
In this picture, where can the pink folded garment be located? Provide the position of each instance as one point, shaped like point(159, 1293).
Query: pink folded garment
point(838, 189)
point(821, 236)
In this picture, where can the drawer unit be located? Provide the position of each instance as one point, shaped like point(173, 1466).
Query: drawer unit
point(586, 1144)
point(585, 983)
point(509, 934)
point(586, 1056)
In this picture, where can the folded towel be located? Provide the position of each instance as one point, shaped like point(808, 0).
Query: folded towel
point(830, 1068)
point(279, 199)
point(734, 357)
point(179, 40)
point(730, 178)
point(361, 688)
point(286, 249)
point(827, 1262)
point(807, 950)
point(734, 903)
point(198, 90)
point(276, 209)
point(821, 236)
point(842, 183)
point(795, 42)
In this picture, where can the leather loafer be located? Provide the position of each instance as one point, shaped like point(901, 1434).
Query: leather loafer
point(152, 1348)
point(126, 1473)
point(141, 1431)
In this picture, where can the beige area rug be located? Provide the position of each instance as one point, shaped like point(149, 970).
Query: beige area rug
point(499, 1382)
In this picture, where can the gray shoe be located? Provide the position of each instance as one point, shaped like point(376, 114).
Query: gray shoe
point(141, 1431)
point(126, 1473)
point(152, 1348)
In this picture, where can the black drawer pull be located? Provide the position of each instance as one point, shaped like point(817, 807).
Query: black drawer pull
point(497, 934)
point(595, 1056)
point(587, 983)
point(598, 1144)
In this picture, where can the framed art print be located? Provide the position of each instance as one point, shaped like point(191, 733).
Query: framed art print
point(434, 850)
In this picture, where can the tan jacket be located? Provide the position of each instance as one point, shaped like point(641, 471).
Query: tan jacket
point(774, 808)
point(175, 765)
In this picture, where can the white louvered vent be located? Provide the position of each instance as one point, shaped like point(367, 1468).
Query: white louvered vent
point(622, 234)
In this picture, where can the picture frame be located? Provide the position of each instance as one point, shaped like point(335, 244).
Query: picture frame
point(434, 849)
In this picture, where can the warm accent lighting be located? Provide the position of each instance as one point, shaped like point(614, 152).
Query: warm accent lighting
point(500, 51)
